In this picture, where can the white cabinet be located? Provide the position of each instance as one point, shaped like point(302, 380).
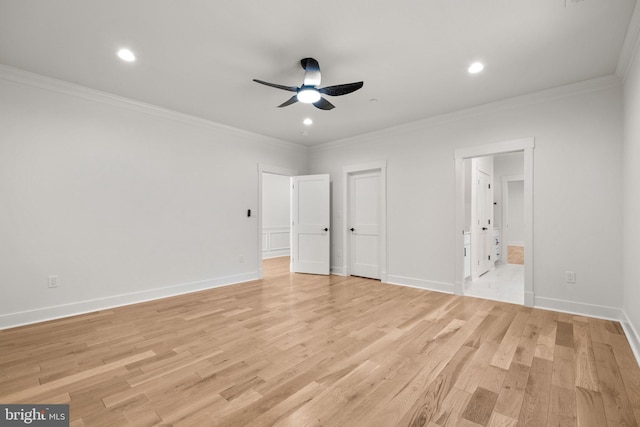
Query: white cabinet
point(467, 255)
point(497, 244)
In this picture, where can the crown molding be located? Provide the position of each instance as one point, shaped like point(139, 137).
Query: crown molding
point(17, 75)
point(630, 45)
point(566, 91)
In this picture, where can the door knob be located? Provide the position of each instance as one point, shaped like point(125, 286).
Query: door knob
point(326, 229)
point(352, 229)
point(484, 228)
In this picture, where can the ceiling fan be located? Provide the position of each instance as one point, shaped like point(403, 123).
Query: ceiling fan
point(309, 92)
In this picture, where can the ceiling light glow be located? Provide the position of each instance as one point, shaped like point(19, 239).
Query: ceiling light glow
point(476, 67)
point(126, 55)
point(307, 121)
point(308, 95)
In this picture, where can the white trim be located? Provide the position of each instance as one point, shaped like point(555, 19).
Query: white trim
point(579, 308)
point(346, 254)
point(277, 170)
point(566, 91)
point(521, 144)
point(515, 243)
point(338, 271)
point(503, 147)
point(427, 285)
point(632, 335)
point(630, 46)
point(60, 86)
point(27, 317)
point(529, 299)
point(382, 164)
point(276, 253)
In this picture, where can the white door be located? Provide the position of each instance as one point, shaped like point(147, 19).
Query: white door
point(310, 224)
point(484, 206)
point(364, 224)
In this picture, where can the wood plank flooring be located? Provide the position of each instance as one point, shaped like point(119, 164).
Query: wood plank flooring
point(298, 350)
point(515, 254)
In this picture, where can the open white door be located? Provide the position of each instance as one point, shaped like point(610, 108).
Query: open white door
point(310, 224)
point(484, 216)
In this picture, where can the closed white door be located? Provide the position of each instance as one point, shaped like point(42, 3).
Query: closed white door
point(364, 224)
point(484, 206)
point(310, 224)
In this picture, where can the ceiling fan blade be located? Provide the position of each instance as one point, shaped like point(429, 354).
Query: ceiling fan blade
point(290, 101)
point(323, 104)
point(311, 72)
point(338, 90)
point(289, 88)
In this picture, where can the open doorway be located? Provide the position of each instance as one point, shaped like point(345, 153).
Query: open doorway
point(487, 179)
point(294, 219)
point(274, 219)
point(494, 227)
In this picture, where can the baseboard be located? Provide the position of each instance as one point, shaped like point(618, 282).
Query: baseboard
point(421, 284)
point(338, 271)
point(632, 336)
point(275, 253)
point(13, 320)
point(582, 309)
point(529, 299)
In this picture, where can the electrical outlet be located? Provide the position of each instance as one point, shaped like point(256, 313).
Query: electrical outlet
point(52, 281)
point(570, 276)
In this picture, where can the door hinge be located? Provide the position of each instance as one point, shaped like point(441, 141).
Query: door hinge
point(489, 185)
point(489, 221)
point(489, 257)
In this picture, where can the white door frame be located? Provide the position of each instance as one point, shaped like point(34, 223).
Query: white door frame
point(276, 170)
point(522, 144)
point(505, 214)
point(346, 249)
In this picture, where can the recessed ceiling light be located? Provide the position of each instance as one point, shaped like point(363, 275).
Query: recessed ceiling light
point(475, 68)
point(307, 121)
point(126, 55)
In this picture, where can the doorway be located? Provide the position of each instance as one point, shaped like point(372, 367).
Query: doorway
point(499, 269)
point(306, 235)
point(364, 238)
point(513, 219)
point(274, 220)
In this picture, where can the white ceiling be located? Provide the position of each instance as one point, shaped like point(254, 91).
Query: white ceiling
point(199, 56)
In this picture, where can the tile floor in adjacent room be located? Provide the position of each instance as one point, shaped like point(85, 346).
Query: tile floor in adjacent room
point(503, 283)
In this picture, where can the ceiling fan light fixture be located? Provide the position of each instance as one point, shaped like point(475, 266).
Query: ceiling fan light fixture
point(308, 95)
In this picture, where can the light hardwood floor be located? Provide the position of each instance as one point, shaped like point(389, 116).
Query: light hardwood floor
point(515, 254)
point(295, 350)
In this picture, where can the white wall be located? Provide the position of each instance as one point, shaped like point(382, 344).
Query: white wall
point(276, 215)
point(578, 181)
point(631, 185)
point(504, 165)
point(516, 213)
point(123, 202)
